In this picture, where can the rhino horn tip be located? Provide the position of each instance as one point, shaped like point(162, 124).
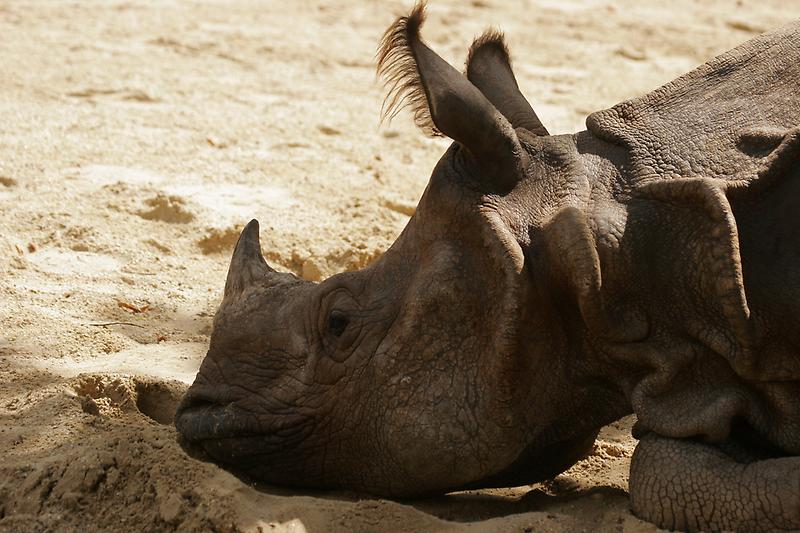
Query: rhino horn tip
point(248, 246)
point(252, 224)
point(247, 262)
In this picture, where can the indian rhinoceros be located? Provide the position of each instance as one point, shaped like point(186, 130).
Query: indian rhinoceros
point(546, 286)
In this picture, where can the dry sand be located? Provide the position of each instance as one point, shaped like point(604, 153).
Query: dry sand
point(137, 138)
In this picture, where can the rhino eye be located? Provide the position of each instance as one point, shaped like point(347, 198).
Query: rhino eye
point(337, 322)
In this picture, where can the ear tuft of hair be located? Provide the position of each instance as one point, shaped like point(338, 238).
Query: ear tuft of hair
point(397, 64)
point(491, 38)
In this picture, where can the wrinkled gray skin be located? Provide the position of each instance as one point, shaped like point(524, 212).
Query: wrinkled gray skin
point(546, 286)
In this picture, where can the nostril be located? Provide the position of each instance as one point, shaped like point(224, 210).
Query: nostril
point(201, 405)
point(193, 404)
point(200, 400)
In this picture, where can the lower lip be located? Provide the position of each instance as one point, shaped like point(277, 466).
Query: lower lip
point(206, 421)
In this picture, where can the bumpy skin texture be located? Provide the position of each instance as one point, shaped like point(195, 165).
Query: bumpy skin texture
point(546, 286)
point(692, 486)
point(713, 232)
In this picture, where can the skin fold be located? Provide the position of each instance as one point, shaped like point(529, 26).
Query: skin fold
point(545, 287)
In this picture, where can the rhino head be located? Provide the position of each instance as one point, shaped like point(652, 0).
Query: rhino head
point(433, 368)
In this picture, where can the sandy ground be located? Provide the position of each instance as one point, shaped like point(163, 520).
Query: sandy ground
point(137, 138)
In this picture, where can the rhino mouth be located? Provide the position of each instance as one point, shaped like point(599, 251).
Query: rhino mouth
point(215, 428)
point(202, 416)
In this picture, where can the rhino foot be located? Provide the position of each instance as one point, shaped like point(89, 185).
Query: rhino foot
point(689, 485)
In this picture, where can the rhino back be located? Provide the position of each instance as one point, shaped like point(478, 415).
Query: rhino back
point(717, 121)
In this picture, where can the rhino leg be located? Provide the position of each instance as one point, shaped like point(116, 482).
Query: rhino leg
point(688, 485)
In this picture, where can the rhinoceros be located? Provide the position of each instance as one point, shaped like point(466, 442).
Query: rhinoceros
point(546, 286)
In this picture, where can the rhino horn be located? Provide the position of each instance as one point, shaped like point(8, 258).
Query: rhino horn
point(247, 264)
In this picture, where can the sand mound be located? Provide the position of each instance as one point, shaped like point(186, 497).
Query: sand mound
point(219, 240)
point(110, 461)
point(166, 209)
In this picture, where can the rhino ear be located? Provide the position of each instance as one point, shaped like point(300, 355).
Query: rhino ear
point(489, 69)
point(444, 102)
